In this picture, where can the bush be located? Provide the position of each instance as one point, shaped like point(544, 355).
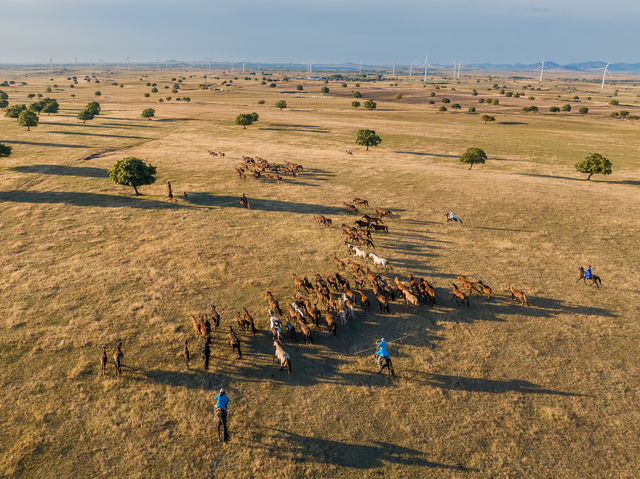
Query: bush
point(624, 113)
point(473, 156)
point(85, 115)
point(299, 87)
point(14, 111)
point(614, 102)
point(271, 85)
point(472, 109)
point(495, 101)
point(357, 94)
point(583, 109)
point(594, 164)
point(93, 107)
point(442, 108)
point(487, 118)
point(133, 172)
point(355, 104)
point(370, 105)
point(566, 107)
point(446, 100)
point(5, 150)
point(148, 113)
point(147, 95)
point(474, 92)
point(281, 104)
point(324, 90)
point(455, 106)
point(98, 93)
point(398, 96)
point(530, 108)
point(28, 118)
point(614, 114)
point(154, 90)
point(509, 94)
point(261, 102)
point(554, 109)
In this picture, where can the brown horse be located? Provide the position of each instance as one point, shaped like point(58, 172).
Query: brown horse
point(103, 360)
point(459, 295)
point(384, 363)
point(350, 208)
point(485, 289)
point(234, 342)
point(518, 295)
point(469, 285)
point(383, 302)
point(220, 420)
point(282, 356)
point(244, 201)
point(215, 317)
point(248, 320)
point(383, 212)
point(185, 353)
point(118, 356)
point(273, 303)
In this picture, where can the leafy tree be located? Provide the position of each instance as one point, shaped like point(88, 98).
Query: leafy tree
point(85, 115)
point(31, 95)
point(495, 101)
point(244, 119)
point(147, 95)
point(4, 103)
point(584, 110)
point(398, 96)
point(446, 100)
point(261, 102)
point(473, 156)
point(370, 105)
point(28, 118)
point(98, 93)
point(455, 106)
point(614, 102)
point(132, 171)
point(530, 108)
point(324, 90)
point(254, 116)
point(594, 164)
point(4, 96)
point(474, 92)
point(5, 150)
point(357, 94)
point(554, 109)
point(614, 114)
point(355, 104)
point(299, 87)
point(472, 109)
point(281, 104)
point(566, 107)
point(367, 138)
point(50, 106)
point(487, 118)
point(148, 113)
point(442, 108)
point(624, 113)
point(271, 85)
point(93, 107)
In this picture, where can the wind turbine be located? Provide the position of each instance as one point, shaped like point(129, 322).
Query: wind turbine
point(76, 62)
point(360, 69)
point(309, 69)
point(455, 68)
point(128, 66)
point(244, 60)
point(50, 64)
point(459, 66)
point(393, 71)
point(426, 67)
point(541, 68)
point(166, 64)
point(605, 71)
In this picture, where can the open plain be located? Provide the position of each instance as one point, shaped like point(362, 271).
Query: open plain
point(492, 390)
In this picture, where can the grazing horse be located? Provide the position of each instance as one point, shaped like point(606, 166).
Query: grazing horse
point(282, 356)
point(234, 342)
point(594, 279)
point(244, 201)
point(103, 360)
point(383, 302)
point(459, 295)
point(518, 295)
point(384, 363)
point(118, 356)
point(485, 289)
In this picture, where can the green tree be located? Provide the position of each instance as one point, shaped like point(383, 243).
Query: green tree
point(566, 107)
point(367, 138)
point(472, 109)
point(370, 105)
point(85, 115)
point(254, 116)
point(442, 108)
point(357, 94)
point(261, 102)
point(584, 110)
point(93, 107)
point(148, 113)
point(355, 104)
point(51, 106)
point(98, 93)
point(455, 106)
point(299, 87)
point(133, 172)
point(5, 150)
point(4, 103)
point(473, 156)
point(281, 104)
point(614, 102)
point(594, 164)
point(154, 90)
point(487, 118)
point(324, 90)
point(28, 118)
point(14, 110)
point(554, 109)
point(3, 95)
point(398, 96)
point(244, 119)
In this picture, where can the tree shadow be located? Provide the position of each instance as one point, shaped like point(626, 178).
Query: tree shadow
point(461, 383)
point(224, 201)
point(298, 130)
point(442, 155)
point(56, 145)
point(344, 454)
point(512, 123)
point(555, 177)
point(110, 126)
point(85, 199)
point(63, 170)
point(101, 135)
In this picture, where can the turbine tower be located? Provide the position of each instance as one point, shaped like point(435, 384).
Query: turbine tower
point(459, 66)
point(50, 64)
point(360, 69)
point(410, 68)
point(605, 72)
point(393, 71)
point(541, 68)
point(166, 64)
point(128, 65)
point(426, 67)
point(244, 60)
point(76, 62)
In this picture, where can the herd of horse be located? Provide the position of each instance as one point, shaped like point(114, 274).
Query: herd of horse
point(260, 168)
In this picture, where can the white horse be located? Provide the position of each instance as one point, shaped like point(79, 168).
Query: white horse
point(377, 260)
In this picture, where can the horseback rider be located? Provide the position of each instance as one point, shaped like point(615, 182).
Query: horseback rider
point(451, 216)
point(588, 274)
point(222, 402)
point(382, 352)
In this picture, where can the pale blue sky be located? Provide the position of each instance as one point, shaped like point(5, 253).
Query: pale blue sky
point(374, 31)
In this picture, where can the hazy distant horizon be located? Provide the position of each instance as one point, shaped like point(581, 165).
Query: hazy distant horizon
point(329, 32)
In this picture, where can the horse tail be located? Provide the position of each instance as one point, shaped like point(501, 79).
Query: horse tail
point(239, 352)
point(289, 365)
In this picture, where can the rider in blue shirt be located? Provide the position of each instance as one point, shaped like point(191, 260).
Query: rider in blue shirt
point(222, 402)
point(382, 349)
point(587, 273)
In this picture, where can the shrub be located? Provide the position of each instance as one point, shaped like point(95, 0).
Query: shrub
point(455, 106)
point(554, 109)
point(261, 102)
point(148, 113)
point(442, 108)
point(370, 105)
point(5, 150)
point(355, 104)
point(14, 111)
point(445, 100)
point(324, 90)
point(398, 96)
point(357, 94)
point(472, 109)
point(583, 109)
point(614, 102)
point(487, 118)
point(566, 107)
point(281, 104)
point(299, 87)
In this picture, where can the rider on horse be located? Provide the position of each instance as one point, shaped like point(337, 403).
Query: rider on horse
point(222, 402)
point(588, 274)
point(382, 349)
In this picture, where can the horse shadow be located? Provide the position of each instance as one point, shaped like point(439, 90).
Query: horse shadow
point(461, 383)
point(86, 171)
point(375, 454)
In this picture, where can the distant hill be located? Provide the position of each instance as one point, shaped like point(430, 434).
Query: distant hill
point(549, 65)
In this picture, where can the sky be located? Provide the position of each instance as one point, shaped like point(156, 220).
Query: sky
point(329, 31)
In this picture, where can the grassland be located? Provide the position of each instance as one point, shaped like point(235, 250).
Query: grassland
point(494, 390)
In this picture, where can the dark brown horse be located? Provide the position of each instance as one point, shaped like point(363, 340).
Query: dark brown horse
point(594, 279)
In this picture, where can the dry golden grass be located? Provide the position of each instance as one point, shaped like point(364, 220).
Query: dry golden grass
point(494, 390)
